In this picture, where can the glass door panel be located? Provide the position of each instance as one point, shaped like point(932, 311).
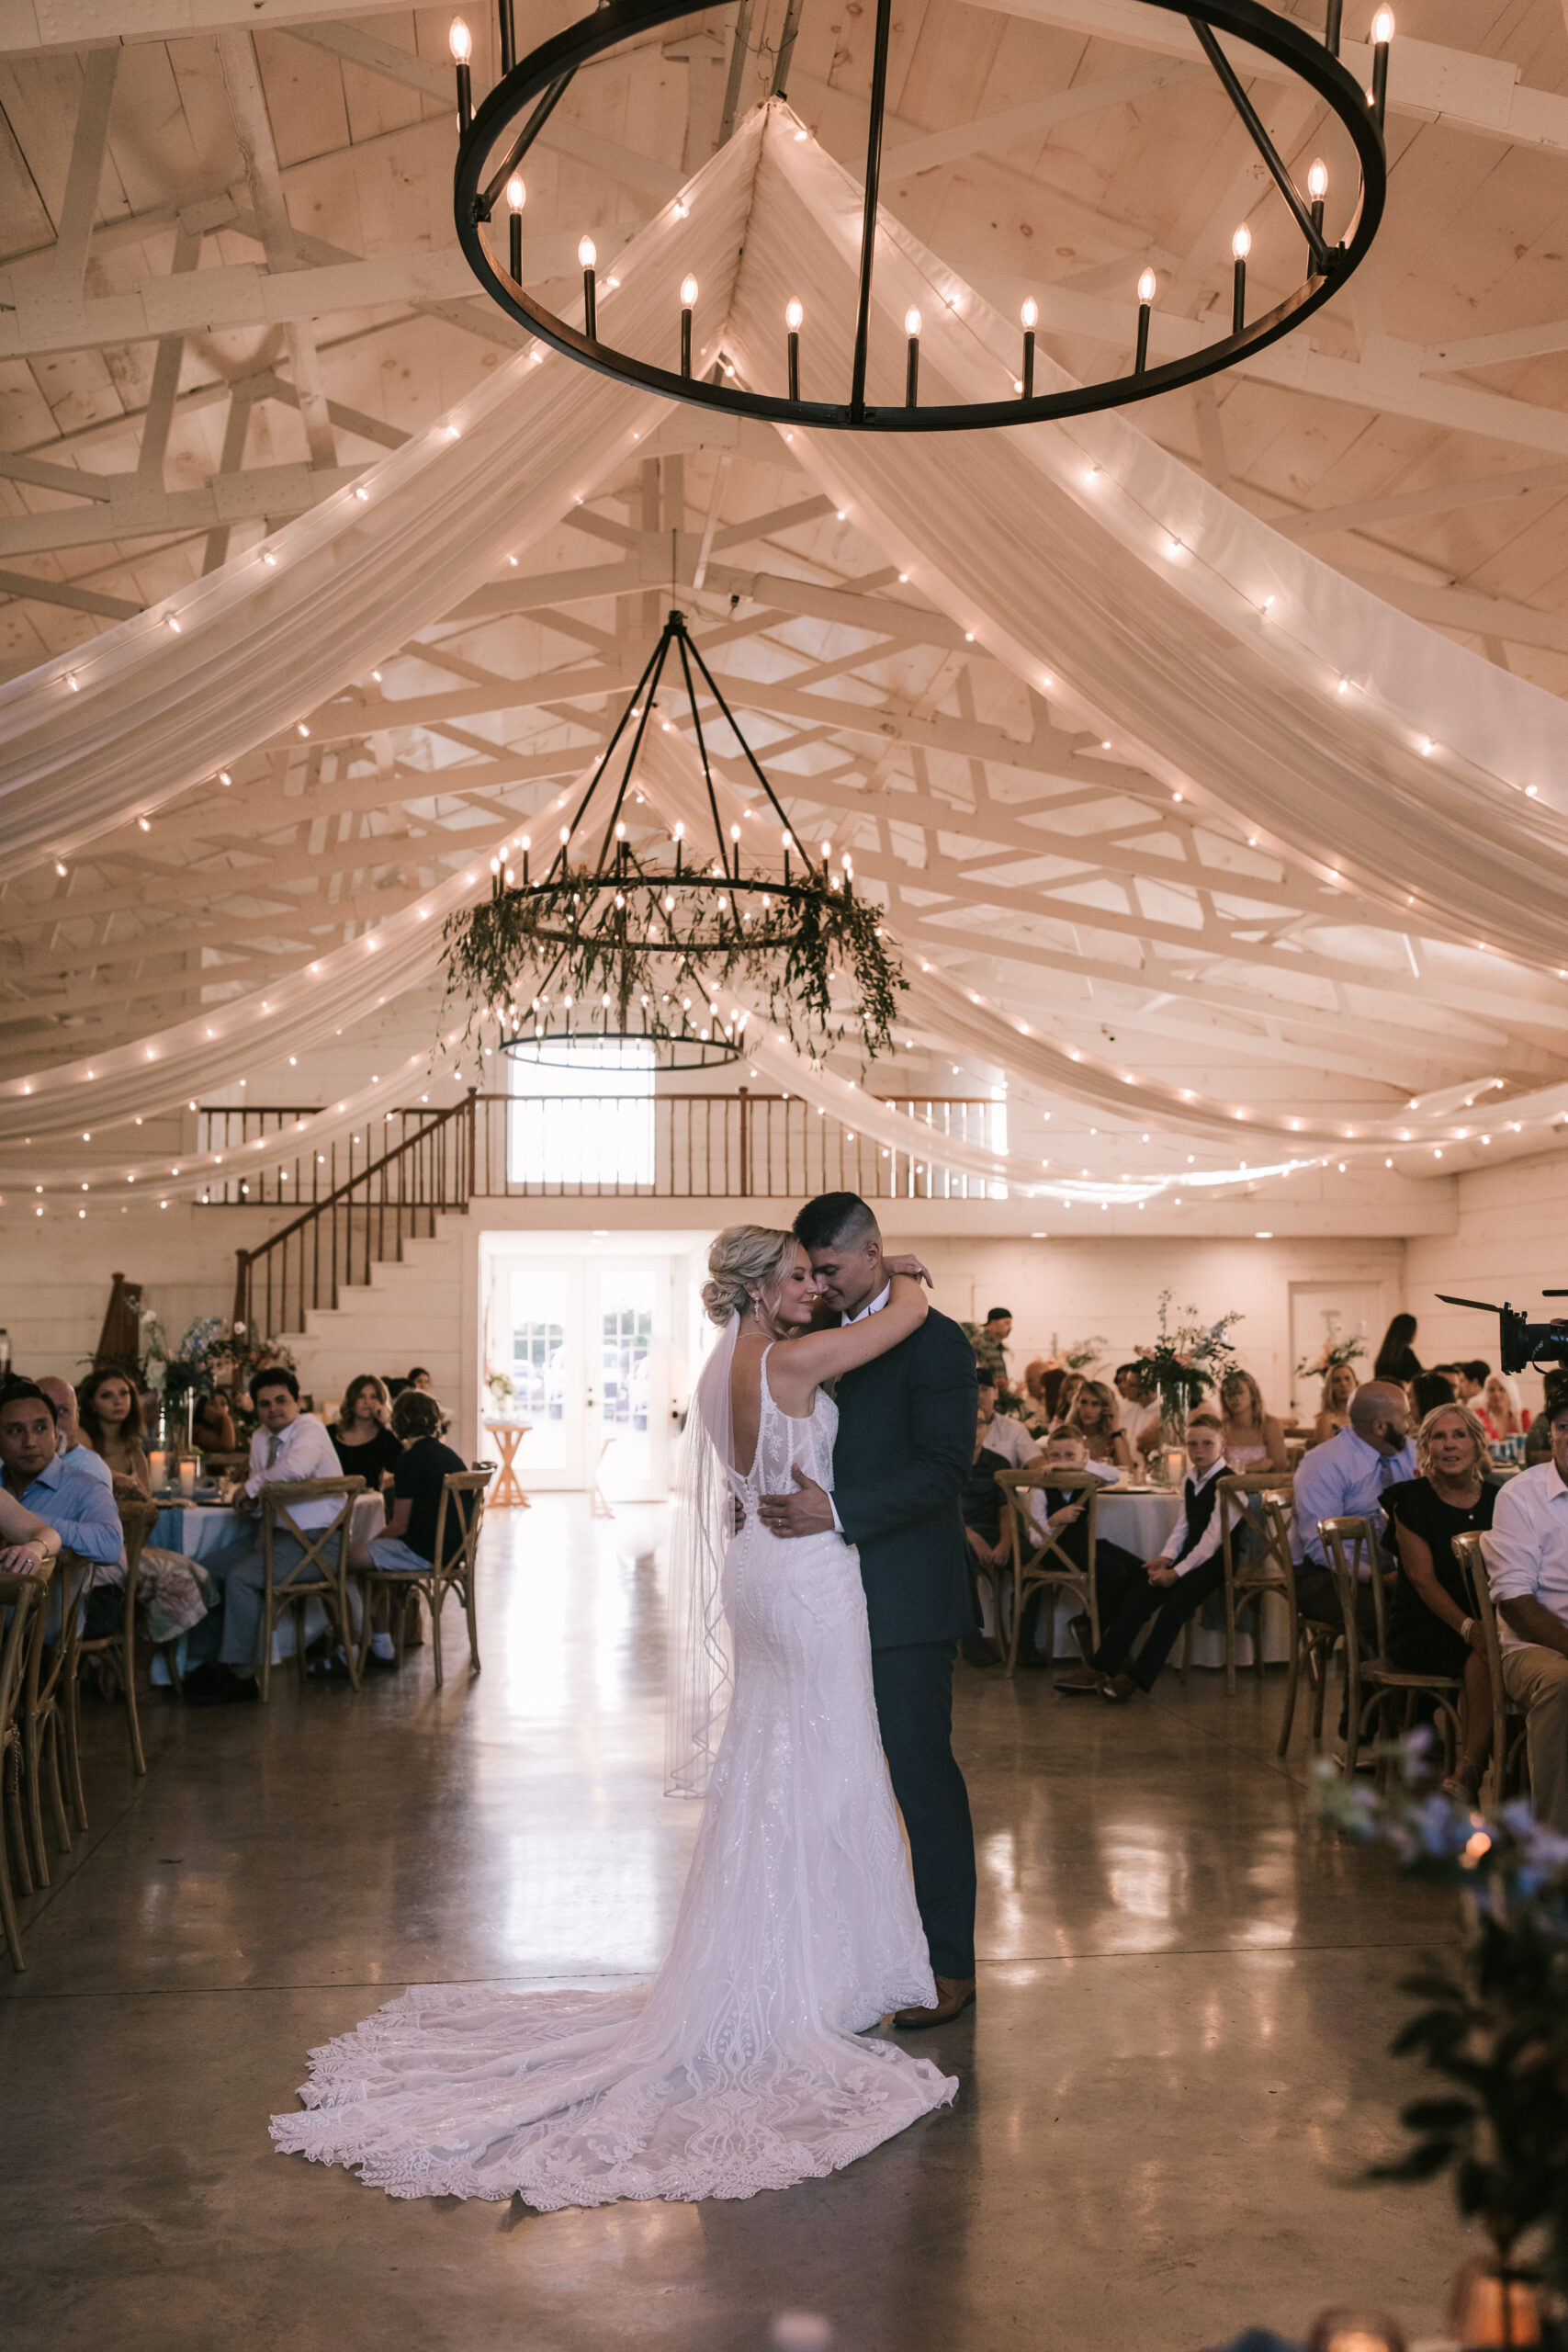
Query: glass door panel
point(628, 1405)
point(549, 1384)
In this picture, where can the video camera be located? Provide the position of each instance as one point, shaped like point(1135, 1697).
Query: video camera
point(1521, 1342)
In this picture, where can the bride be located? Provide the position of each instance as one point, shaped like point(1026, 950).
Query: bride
point(737, 2069)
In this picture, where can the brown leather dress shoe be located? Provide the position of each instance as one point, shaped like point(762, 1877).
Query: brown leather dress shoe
point(953, 1994)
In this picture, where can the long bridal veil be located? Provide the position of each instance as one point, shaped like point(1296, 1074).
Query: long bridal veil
point(699, 1659)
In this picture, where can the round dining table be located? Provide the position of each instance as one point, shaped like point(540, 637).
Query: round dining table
point(220, 1537)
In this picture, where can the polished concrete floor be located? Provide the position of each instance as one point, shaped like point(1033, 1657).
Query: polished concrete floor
point(1175, 2072)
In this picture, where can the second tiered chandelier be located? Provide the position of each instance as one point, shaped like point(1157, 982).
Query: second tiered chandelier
point(496, 139)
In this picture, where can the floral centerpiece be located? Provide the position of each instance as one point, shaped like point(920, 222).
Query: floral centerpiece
point(1078, 1354)
point(1493, 2028)
point(1186, 1360)
point(1333, 1352)
point(214, 1355)
point(502, 1388)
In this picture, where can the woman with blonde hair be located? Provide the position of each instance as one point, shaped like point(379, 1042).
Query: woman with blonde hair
point(1430, 1629)
point(739, 2067)
point(1096, 1413)
point(1254, 1437)
point(1502, 1409)
point(1334, 1414)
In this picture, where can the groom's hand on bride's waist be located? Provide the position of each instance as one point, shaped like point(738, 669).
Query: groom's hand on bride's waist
point(809, 1511)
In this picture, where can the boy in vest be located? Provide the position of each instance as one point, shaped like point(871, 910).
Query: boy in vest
point(1178, 1581)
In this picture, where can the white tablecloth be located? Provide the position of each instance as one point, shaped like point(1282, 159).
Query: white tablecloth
point(221, 1538)
point(1140, 1520)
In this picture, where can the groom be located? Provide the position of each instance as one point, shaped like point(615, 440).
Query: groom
point(905, 1444)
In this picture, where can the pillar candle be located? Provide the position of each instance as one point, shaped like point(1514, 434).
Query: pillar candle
point(157, 1462)
point(187, 1478)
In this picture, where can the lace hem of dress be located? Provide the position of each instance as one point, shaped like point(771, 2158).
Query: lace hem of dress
point(704, 2128)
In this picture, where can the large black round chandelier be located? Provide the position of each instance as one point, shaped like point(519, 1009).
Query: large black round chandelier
point(495, 140)
point(630, 930)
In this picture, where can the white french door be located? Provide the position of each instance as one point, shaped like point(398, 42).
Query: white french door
point(591, 1363)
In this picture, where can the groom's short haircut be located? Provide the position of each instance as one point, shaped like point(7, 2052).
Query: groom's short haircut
point(836, 1221)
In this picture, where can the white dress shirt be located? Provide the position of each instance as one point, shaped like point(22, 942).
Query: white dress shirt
point(303, 1451)
point(1527, 1548)
point(1208, 1543)
point(1011, 1441)
point(1346, 1478)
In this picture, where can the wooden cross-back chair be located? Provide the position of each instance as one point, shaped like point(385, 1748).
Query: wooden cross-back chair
point(1509, 1760)
point(46, 1714)
point(1260, 1567)
point(454, 1569)
point(23, 1603)
point(137, 1522)
point(1312, 1640)
point(1039, 1562)
point(1351, 1546)
point(322, 1573)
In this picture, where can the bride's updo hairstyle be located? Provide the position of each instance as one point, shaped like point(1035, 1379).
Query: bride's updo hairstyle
point(744, 1258)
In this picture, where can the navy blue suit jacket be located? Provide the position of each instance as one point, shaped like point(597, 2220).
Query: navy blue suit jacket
point(906, 1441)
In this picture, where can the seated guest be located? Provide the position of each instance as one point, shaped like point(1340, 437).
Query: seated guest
point(1502, 1411)
point(362, 1434)
point(1347, 1478)
point(1005, 1434)
point(212, 1426)
point(1473, 1377)
point(173, 1592)
point(1430, 1628)
point(408, 1547)
point(421, 1380)
point(1334, 1414)
point(1538, 1443)
point(981, 1502)
point(1095, 1415)
point(1176, 1581)
point(71, 1492)
point(1452, 1373)
point(1036, 1415)
point(25, 1540)
point(1067, 1396)
point(289, 1445)
point(1060, 1513)
point(1135, 1385)
point(1254, 1439)
point(1526, 1559)
point(1428, 1390)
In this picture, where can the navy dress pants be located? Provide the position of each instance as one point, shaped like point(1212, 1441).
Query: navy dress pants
point(914, 1708)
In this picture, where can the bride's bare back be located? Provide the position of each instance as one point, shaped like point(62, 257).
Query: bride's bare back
point(802, 1358)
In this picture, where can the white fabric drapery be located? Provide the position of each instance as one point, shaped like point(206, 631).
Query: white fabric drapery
point(1136, 588)
point(168, 698)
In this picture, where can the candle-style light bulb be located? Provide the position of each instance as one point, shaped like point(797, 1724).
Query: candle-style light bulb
point(1317, 182)
point(516, 197)
point(912, 369)
point(461, 42)
point(912, 322)
point(688, 298)
point(588, 255)
point(1382, 33)
point(1241, 245)
point(1146, 297)
point(795, 311)
point(1028, 311)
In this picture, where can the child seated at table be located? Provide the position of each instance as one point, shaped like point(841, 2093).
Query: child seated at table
point(1060, 1513)
point(1168, 1589)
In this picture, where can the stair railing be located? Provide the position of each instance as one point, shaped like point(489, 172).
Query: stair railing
point(338, 1241)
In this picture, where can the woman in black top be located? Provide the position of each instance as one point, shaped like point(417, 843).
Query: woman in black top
point(1397, 1359)
point(1430, 1629)
point(362, 1436)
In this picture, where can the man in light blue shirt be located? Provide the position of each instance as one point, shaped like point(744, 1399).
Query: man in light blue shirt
point(1348, 1477)
point(73, 1492)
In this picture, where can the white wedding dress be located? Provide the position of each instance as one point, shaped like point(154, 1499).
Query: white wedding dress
point(737, 2069)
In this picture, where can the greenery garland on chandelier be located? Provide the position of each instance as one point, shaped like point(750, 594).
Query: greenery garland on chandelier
point(615, 946)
